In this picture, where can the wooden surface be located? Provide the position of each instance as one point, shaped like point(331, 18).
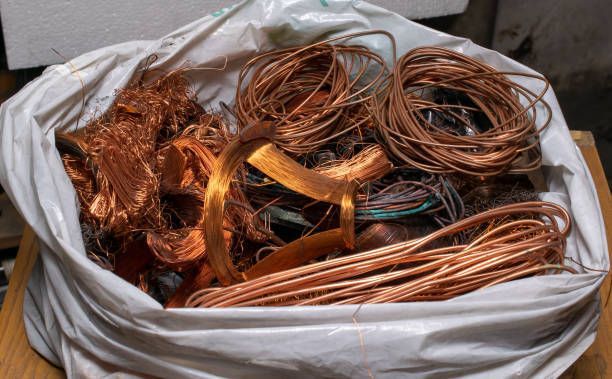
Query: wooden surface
point(18, 360)
point(596, 362)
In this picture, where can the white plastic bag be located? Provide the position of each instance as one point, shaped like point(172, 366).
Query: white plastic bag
point(93, 323)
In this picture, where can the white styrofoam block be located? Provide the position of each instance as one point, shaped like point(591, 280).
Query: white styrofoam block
point(418, 9)
point(34, 28)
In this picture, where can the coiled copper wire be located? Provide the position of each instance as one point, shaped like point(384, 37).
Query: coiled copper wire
point(312, 94)
point(263, 155)
point(426, 268)
point(509, 143)
point(159, 176)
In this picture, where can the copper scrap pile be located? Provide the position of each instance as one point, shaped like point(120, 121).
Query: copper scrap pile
point(334, 178)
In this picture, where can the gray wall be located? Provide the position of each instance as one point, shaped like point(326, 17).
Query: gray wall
point(569, 41)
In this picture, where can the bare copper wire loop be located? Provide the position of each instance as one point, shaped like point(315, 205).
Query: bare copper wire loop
point(420, 271)
point(510, 144)
point(264, 156)
point(313, 94)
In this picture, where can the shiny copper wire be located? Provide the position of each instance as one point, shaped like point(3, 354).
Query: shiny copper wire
point(369, 164)
point(510, 144)
point(142, 167)
point(264, 155)
point(426, 268)
point(156, 165)
point(312, 94)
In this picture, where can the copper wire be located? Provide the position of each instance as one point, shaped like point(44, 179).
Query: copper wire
point(263, 155)
point(312, 94)
point(162, 182)
point(411, 271)
point(141, 170)
point(433, 195)
point(369, 164)
point(509, 143)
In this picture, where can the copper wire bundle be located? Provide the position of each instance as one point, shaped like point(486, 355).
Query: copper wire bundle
point(312, 94)
point(369, 164)
point(438, 136)
point(415, 269)
point(141, 170)
point(429, 196)
point(125, 178)
point(262, 154)
point(171, 193)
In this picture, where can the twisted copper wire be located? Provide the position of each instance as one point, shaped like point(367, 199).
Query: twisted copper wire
point(511, 143)
point(262, 154)
point(142, 168)
point(414, 269)
point(369, 164)
point(312, 94)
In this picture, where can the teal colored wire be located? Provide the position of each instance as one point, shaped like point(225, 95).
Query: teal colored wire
point(383, 214)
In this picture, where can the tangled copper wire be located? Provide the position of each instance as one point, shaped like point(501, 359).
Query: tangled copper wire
point(340, 183)
point(444, 112)
point(425, 268)
point(312, 94)
point(369, 164)
point(141, 170)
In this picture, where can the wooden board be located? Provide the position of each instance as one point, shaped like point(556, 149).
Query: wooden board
point(596, 362)
point(18, 360)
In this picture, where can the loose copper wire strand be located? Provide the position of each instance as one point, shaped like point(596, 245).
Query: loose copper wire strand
point(512, 142)
point(505, 251)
